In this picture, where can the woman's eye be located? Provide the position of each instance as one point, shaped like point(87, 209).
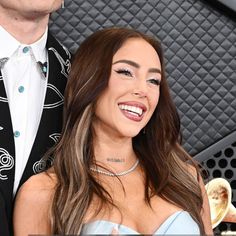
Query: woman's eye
point(124, 72)
point(155, 81)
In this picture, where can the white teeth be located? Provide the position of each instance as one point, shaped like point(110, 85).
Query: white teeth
point(135, 114)
point(133, 109)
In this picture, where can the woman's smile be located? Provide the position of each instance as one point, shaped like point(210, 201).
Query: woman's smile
point(133, 110)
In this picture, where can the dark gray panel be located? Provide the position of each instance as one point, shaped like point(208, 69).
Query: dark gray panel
point(229, 3)
point(220, 161)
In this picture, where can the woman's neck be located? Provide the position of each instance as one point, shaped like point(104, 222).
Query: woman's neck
point(117, 154)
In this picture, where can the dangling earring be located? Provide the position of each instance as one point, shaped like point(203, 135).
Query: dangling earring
point(144, 130)
point(63, 4)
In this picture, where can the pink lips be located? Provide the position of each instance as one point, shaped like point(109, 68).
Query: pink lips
point(133, 110)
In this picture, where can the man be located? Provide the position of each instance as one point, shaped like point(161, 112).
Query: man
point(34, 69)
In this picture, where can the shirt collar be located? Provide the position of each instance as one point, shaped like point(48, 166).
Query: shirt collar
point(39, 48)
point(9, 45)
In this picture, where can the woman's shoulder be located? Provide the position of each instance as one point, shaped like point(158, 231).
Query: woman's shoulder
point(33, 204)
point(40, 186)
point(41, 181)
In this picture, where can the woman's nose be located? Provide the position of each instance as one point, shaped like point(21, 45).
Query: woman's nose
point(139, 94)
point(140, 90)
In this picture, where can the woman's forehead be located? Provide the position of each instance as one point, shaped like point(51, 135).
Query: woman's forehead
point(139, 51)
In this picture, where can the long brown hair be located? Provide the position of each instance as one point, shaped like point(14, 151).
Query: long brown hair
point(159, 151)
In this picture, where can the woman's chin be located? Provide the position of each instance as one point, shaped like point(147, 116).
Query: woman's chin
point(131, 133)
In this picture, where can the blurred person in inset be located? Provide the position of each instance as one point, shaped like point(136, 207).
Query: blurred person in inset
point(33, 74)
point(119, 166)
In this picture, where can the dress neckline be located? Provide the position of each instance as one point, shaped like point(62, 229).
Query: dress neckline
point(171, 218)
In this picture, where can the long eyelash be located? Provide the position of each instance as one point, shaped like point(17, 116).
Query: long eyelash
point(124, 72)
point(155, 81)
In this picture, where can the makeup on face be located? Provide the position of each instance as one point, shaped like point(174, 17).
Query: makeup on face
point(133, 89)
point(127, 68)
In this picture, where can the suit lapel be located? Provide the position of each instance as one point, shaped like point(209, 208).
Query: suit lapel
point(7, 149)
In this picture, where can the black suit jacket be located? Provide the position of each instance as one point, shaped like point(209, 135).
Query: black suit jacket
point(47, 134)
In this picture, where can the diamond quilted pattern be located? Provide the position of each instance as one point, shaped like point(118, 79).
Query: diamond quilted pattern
point(200, 55)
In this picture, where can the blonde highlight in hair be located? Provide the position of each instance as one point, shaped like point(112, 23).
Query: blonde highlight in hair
point(72, 197)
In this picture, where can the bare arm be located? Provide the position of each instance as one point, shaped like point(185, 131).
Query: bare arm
point(32, 207)
point(205, 213)
point(206, 216)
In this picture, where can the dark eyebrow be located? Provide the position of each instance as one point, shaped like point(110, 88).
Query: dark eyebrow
point(134, 64)
point(154, 70)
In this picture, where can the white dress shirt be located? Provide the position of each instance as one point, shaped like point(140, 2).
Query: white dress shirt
point(26, 88)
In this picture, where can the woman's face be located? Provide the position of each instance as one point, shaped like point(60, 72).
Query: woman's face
point(133, 91)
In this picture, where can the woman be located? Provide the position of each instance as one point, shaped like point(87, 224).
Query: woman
point(119, 167)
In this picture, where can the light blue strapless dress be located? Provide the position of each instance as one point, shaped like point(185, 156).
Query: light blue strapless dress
point(179, 223)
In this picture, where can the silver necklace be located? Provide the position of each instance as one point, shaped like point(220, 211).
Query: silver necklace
point(108, 173)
